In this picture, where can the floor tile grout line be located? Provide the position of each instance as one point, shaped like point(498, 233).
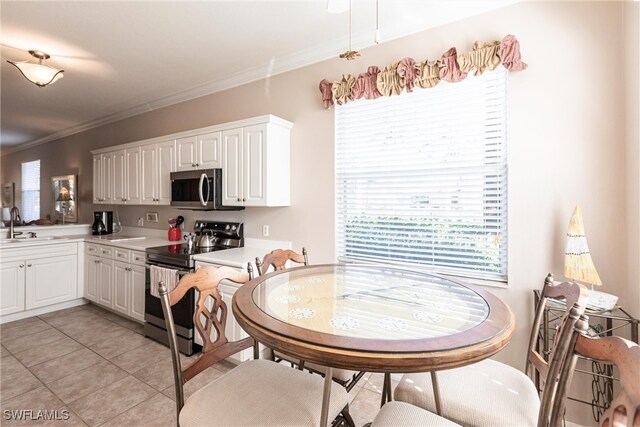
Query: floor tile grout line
point(103, 358)
point(68, 405)
point(134, 406)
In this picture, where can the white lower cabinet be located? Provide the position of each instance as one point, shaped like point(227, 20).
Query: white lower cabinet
point(91, 278)
point(121, 296)
point(31, 278)
point(12, 275)
point(105, 282)
point(116, 284)
point(51, 280)
point(233, 330)
point(136, 279)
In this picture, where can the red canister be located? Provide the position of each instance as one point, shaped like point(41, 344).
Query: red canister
point(174, 234)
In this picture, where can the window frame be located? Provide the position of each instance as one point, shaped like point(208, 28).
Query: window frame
point(503, 168)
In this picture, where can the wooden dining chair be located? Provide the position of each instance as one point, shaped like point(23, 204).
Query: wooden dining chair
point(277, 259)
point(495, 394)
point(624, 409)
point(256, 392)
point(402, 414)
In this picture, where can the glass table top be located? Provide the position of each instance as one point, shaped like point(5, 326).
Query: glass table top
point(370, 302)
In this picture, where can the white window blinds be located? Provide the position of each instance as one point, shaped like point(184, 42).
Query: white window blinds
point(31, 190)
point(421, 178)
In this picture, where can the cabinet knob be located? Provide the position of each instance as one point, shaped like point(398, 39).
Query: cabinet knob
point(244, 200)
point(193, 165)
point(28, 265)
point(21, 265)
point(238, 198)
point(197, 164)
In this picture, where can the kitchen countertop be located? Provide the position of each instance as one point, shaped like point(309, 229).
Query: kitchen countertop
point(239, 257)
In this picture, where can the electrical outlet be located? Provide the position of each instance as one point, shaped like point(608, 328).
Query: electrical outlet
point(152, 216)
point(140, 221)
point(265, 230)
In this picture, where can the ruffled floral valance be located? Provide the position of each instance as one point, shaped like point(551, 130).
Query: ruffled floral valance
point(408, 74)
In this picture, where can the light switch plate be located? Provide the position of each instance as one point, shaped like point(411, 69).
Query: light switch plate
point(152, 216)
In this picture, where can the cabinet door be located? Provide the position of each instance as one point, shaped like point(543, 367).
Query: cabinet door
point(132, 175)
point(148, 174)
point(118, 180)
point(92, 278)
point(121, 287)
point(105, 282)
point(51, 280)
point(232, 330)
point(232, 167)
point(12, 275)
point(166, 164)
point(107, 174)
point(97, 179)
point(253, 165)
point(136, 292)
point(209, 148)
point(186, 153)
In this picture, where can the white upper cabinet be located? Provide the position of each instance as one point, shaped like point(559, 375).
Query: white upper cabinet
point(132, 182)
point(209, 150)
point(102, 185)
point(253, 154)
point(255, 166)
point(126, 176)
point(198, 152)
point(157, 163)
point(231, 171)
point(187, 153)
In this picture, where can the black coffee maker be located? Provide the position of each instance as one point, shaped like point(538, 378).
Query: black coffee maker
point(102, 223)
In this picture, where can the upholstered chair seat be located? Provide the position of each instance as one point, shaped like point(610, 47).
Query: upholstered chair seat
point(487, 393)
point(400, 414)
point(261, 393)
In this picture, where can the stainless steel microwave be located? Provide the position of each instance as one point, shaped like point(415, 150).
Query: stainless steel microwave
point(198, 190)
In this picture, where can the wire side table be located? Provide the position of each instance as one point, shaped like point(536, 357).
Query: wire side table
point(607, 323)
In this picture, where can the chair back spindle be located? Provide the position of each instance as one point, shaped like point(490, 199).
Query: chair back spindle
point(205, 280)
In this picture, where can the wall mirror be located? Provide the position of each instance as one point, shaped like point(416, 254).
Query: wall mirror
point(64, 198)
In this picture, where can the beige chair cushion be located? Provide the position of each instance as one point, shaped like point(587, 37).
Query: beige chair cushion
point(400, 414)
point(262, 393)
point(340, 374)
point(487, 393)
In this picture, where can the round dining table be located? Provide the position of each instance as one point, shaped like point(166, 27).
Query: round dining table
point(375, 318)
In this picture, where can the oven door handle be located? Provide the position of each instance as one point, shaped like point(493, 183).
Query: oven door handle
point(180, 272)
point(203, 179)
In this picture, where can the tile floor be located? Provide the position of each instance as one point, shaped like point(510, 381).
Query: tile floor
point(98, 368)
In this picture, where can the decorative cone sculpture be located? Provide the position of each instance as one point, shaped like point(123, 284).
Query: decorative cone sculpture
point(578, 264)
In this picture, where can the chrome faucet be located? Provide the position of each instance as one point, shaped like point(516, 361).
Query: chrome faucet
point(14, 213)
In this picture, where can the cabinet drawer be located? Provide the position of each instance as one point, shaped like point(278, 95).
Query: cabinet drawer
point(92, 249)
point(121, 254)
point(137, 258)
point(106, 252)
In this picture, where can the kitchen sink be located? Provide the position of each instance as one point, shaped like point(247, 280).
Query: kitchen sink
point(30, 239)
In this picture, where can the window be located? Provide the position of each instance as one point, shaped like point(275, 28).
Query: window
point(421, 178)
point(31, 190)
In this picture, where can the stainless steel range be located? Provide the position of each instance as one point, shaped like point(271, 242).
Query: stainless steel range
point(224, 235)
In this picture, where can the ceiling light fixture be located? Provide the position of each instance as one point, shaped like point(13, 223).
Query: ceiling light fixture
point(38, 73)
point(350, 54)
